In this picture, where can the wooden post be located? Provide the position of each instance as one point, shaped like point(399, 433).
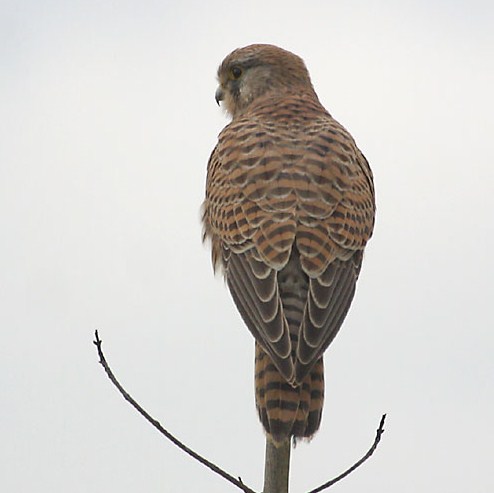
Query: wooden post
point(276, 467)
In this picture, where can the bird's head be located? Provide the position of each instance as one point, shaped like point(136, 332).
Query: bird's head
point(249, 73)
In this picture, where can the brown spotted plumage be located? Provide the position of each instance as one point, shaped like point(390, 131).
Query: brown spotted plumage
point(289, 209)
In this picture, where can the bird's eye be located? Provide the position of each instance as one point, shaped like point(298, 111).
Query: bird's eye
point(235, 72)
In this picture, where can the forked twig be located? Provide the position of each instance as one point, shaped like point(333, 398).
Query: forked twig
point(213, 467)
point(237, 482)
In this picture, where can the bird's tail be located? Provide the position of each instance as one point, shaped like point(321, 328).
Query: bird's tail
point(284, 410)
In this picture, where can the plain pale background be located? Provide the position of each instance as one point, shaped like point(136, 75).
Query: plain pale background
point(107, 121)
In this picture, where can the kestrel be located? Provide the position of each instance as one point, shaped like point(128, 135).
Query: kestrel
point(289, 208)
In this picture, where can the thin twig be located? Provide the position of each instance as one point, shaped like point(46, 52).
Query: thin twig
point(237, 482)
point(379, 433)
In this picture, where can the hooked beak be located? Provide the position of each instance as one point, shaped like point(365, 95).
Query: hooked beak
point(219, 95)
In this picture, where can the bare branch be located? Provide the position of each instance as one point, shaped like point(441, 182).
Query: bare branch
point(379, 433)
point(237, 482)
point(277, 466)
point(213, 467)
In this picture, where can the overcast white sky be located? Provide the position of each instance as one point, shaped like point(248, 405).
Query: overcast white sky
point(107, 121)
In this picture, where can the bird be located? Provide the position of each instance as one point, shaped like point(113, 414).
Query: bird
point(288, 210)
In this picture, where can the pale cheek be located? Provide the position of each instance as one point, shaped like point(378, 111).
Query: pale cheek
point(246, 96)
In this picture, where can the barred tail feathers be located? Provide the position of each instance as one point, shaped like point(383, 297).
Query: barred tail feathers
point(284, 410)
